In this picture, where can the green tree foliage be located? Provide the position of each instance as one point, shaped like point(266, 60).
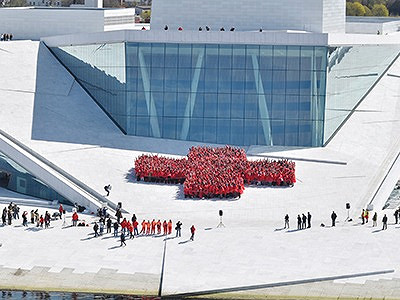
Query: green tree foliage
point(380, 10)
point(368, 12)
point(16, 3)
point(355, 9)
point(394, 7)
point(146, 14)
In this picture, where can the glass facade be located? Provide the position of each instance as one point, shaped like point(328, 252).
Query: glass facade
point(227, 93)
point(352, 71)
point(15, 178)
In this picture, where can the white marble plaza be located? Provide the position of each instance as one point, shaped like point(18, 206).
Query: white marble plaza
point(45, 109)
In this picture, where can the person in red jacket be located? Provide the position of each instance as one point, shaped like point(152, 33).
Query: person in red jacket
point(158, 227)
point(148, 226)
point(130, 229)
point(144, 225)
point(124, 225)
point(169, 227)
point(153, 226)
point(135, 226)
point(75, 219)
point(60, 211)
point(192, 231)
point(165, 227)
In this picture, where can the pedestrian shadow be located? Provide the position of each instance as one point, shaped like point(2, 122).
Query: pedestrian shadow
point(114, 247)
point(377, 230)
point(170, 238)
point(158, 235)
point(90, 236)
point(18, 226)
point(208, 228)
point(184, 242)
point(65, 227)
point(279, 229)
point(293, 230)
point(34, 229)
point(108, 237)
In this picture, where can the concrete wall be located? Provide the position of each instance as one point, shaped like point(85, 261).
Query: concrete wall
point(34, 23)
point(249, 15)
point(334, 16)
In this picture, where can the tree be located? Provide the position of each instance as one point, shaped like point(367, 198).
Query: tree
point(16, 3)
point(380, 10)
point(394, 7)
point(355, 9)
point(368, 12)
point(146, 14)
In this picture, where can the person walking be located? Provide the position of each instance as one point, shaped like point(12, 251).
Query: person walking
point(286, 221)
point(122, 239)
point(192, 231)
point(333, 217)
point(396, 216)
point(366, 215)
point(178, 228)
point(374, 219)
point(363, 217)
point(308, 220)
point(96, 228)
point(298, 222)
point(109, 223)
point(143, 231)
point(384, 221)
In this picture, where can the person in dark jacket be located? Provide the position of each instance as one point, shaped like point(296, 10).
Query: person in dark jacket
point(298, 222)
point(116, 225)
point(304, 223)
point(109, 223)
point(287, 221)
point(384, 221)
point(333, 217)
point(178, 228)
point(308, 220)
point(122, 239)
point(96, 228)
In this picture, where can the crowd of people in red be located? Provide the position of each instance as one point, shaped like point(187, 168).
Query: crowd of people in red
point(215, 172)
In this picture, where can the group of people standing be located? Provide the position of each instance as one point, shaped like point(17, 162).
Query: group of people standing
point(11, 212)
point(129, 227)
point(210, 172)
point(303, 221)
point(6, 37)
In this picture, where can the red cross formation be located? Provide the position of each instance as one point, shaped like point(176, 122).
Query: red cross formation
point(215, 172)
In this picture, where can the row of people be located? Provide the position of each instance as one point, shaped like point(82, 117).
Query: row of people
point(207, 28)
point(6, 37)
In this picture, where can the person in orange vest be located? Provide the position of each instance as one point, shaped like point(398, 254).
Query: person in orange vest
point(124, 225)
point(158, 227)
point(135, 226)
point(144, 225)
point(148, 226)
point(75, 219)
point(165, 227)
point(153, 226)
point(192, 231)
point(169, 227)
point(130, 229)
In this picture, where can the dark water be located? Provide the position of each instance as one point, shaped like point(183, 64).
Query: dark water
point(19, 295)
